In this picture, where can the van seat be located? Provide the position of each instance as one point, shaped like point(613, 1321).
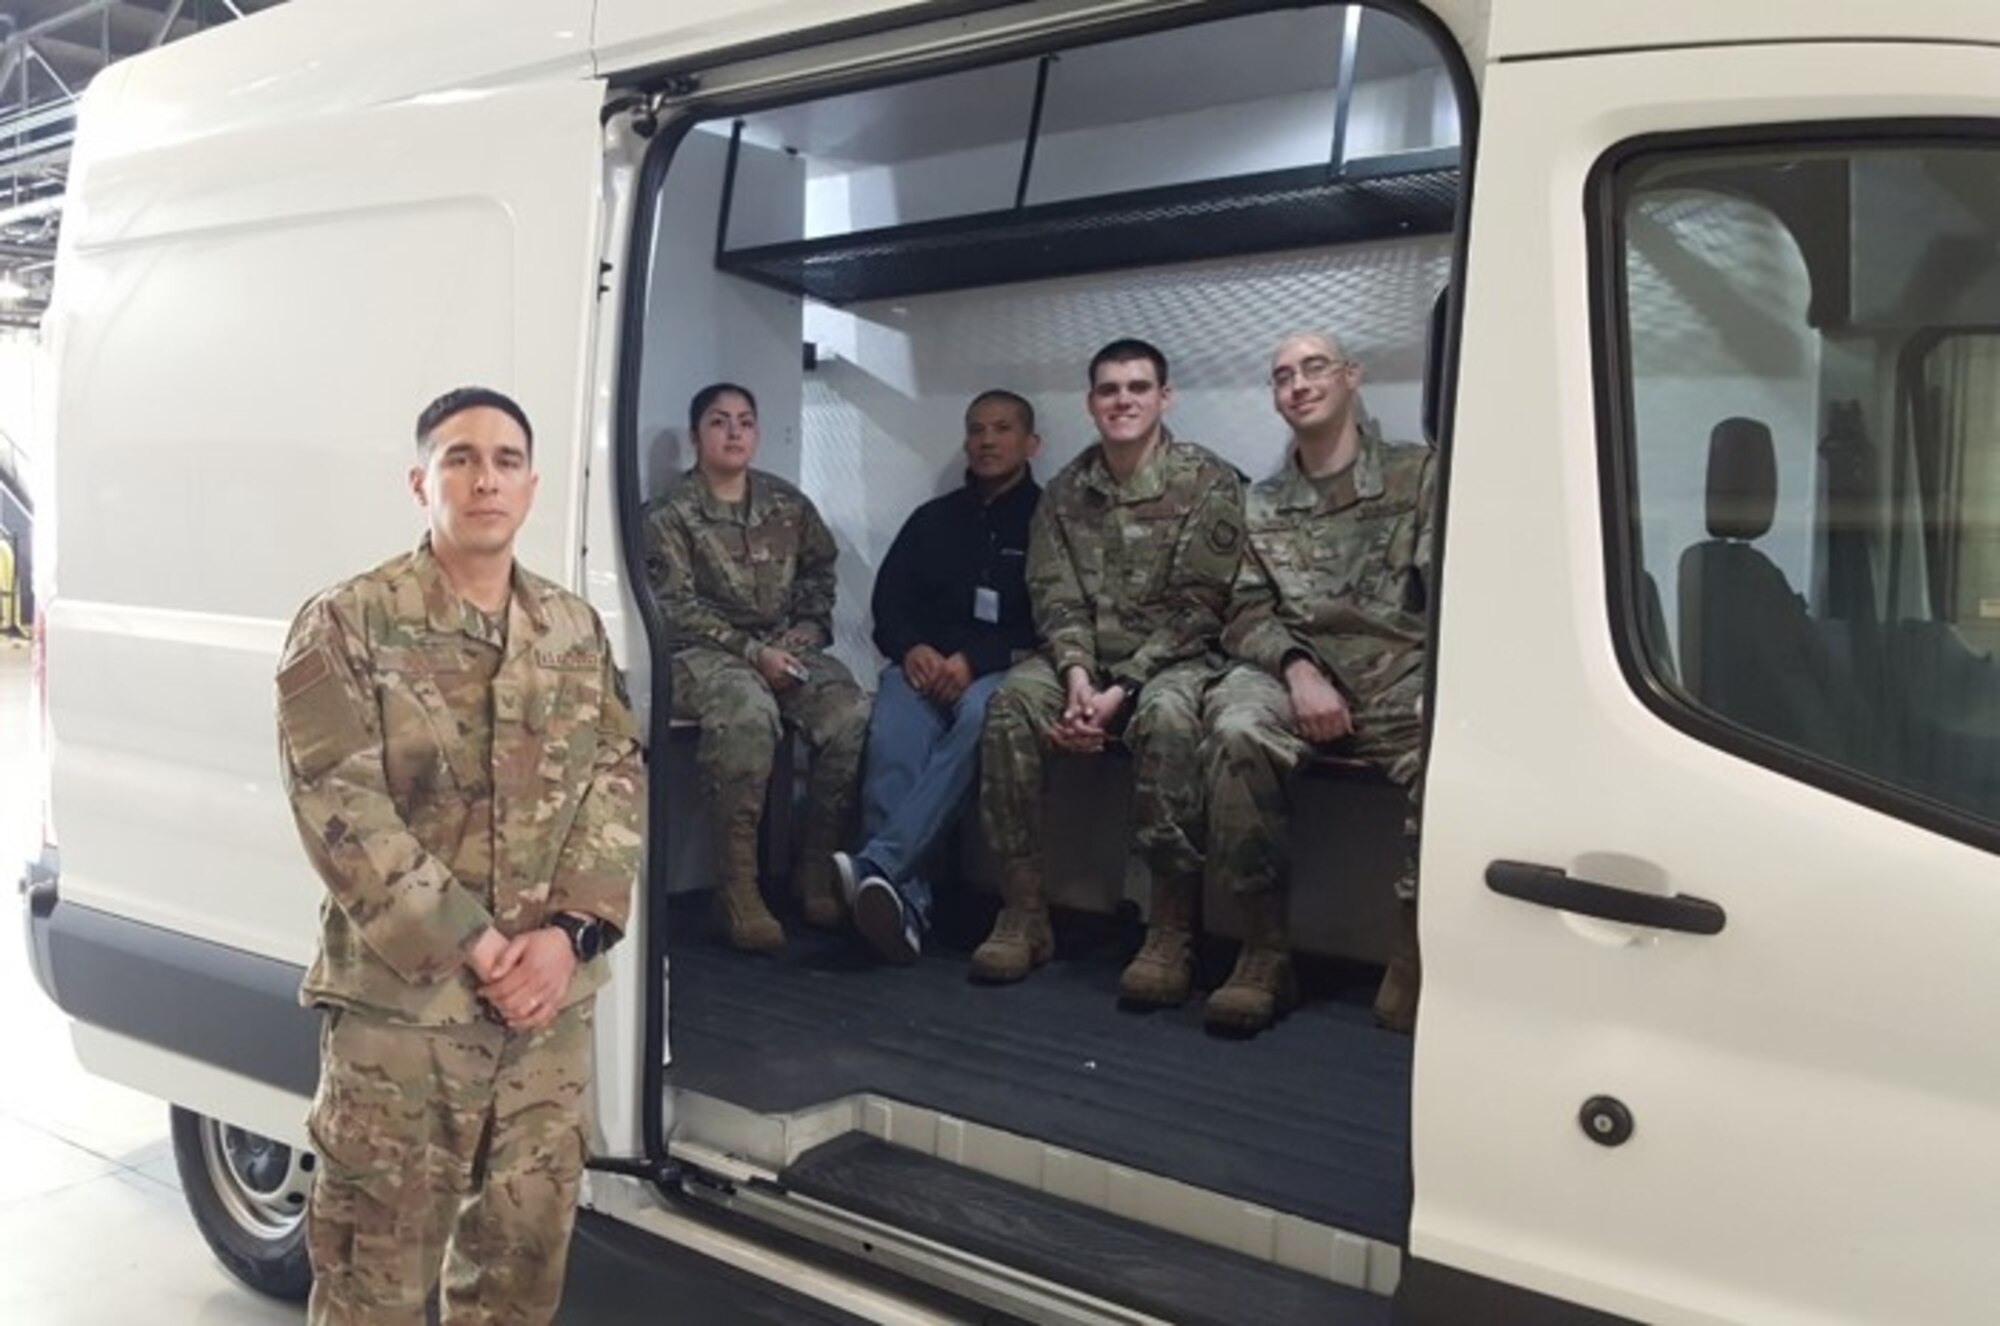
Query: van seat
point(1749, 647)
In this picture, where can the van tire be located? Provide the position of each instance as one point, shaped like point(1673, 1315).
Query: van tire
point(248, 1196)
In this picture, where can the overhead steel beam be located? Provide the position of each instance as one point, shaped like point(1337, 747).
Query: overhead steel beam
point(172, 17)
point(81, 10)
point(35, 54)
point(47, 151)
point(40, 207)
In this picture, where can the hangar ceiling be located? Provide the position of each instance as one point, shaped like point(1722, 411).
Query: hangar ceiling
point(49, 52)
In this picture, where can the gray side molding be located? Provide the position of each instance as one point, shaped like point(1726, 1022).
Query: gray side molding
point(219, 1005)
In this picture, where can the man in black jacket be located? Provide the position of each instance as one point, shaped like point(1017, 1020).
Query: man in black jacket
point(951, 614)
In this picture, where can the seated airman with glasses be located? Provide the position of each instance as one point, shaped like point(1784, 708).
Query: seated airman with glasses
point(1327, 621)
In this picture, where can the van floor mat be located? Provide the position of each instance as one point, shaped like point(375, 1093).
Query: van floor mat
point(1310, 1118)
point(621, 1276)
point(1174, 1278)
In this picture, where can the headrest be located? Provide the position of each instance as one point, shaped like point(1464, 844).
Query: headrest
point(1742, 479)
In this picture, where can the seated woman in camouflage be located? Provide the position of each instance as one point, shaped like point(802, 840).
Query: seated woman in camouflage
point(743, 569)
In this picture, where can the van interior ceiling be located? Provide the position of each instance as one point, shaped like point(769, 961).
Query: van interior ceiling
point(867, 261)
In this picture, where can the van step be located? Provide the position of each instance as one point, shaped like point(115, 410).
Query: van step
point(621, 1276)
point(1168, 1275)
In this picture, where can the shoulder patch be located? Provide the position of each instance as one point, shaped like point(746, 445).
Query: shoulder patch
point(302, 674)
point(1224, 535)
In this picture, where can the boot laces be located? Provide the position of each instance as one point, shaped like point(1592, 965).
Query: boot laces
point(1012, 925)
point(1261, 967)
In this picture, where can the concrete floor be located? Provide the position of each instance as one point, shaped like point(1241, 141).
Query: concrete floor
point(92, 1227)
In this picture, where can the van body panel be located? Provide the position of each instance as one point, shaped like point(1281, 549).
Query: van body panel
point(633, 33)
point(1815, 1135)
point(158, 1071)
point(312, 58)
point(248, 322)
point(1527, 28)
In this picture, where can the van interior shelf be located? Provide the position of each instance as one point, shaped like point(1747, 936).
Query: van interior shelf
point(1388, 197)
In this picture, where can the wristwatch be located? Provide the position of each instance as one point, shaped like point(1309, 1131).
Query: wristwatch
point(586, 934)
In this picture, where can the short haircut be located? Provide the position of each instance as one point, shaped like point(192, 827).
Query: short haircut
point(1022, 408)
point(1124, 351)
point(708, 396)
point(1327, 339)
point(460, 399)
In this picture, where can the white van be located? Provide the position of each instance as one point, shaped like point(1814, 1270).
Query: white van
point(1698, 301)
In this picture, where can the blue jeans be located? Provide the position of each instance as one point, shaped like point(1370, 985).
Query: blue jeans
point(921, 768)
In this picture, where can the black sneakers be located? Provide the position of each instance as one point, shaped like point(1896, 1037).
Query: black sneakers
point(878, 910)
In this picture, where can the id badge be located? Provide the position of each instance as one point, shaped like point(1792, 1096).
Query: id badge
point(986, 605)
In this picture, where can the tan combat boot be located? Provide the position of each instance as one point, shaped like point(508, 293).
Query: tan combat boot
point(1396, 1000)
point(1021, 940)
point(1158, 976)
point(739, 906)
point(1262, 988)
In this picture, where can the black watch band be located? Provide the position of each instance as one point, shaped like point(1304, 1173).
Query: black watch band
point(586, 934)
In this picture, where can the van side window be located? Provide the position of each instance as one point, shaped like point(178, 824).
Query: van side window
point(1803, 360)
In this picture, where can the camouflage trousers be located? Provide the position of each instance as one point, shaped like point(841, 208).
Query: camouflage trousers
point(1164, 735)
point(741, 720)
point(1250, 749)
point(448, 1157)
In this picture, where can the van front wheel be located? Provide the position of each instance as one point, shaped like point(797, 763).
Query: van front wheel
point(248, 1195)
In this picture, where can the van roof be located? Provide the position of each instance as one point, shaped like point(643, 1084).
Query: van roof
point(312, 56)
point(1522, 29)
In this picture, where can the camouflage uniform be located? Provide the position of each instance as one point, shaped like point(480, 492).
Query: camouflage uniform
point(732, 579)
point(446, 777)
point(1129, 581)
point(1342, 579)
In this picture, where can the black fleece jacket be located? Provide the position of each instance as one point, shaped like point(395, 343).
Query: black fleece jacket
point(947, 550)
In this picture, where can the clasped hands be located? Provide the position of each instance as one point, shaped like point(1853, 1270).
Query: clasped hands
point(525, 979)
point(934, 676)
point(1087, 715)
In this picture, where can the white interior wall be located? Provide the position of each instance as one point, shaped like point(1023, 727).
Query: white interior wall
point(882, 415)
point(876, 430)
point(1718, 310)
point(1402, 114)
point(702, 326)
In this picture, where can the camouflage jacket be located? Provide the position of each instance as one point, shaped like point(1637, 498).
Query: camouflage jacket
point(1129, 578)
point(738, 580)
point(1343, 579)
point(443, 784)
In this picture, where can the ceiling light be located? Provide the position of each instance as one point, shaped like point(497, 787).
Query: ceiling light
point(11, 289)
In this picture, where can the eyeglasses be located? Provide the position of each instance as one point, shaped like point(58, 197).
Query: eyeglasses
point(1316, 369)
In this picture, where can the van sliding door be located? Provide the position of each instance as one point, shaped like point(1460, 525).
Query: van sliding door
point(1709, 884)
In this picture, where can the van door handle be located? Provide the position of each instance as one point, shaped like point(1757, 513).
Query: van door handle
point(1546, 886)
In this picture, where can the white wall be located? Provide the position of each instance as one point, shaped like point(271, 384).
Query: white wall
point(882, 415)
point(702, 326)
point(876, 430)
